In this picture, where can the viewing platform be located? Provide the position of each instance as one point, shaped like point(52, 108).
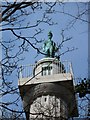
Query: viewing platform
point(45, 70)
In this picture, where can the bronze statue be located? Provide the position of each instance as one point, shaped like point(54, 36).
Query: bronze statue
point(49, 47)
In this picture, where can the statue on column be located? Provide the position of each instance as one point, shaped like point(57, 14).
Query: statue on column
point(49, 46)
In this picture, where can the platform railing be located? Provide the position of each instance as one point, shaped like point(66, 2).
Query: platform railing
point(25, 71)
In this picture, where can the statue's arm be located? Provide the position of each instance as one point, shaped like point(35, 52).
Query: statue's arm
point(54, 45)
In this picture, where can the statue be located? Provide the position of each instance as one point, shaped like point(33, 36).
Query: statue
point(49, 47)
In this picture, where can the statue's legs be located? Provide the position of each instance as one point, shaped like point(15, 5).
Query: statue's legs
point(51, 51)
point(47, 53)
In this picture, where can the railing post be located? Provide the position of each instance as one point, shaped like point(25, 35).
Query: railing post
point(20, 72)
point(71, 69)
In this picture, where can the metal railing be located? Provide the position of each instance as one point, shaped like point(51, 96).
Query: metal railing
point(25, 71)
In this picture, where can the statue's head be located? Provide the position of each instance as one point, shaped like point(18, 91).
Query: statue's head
point(50, 34)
